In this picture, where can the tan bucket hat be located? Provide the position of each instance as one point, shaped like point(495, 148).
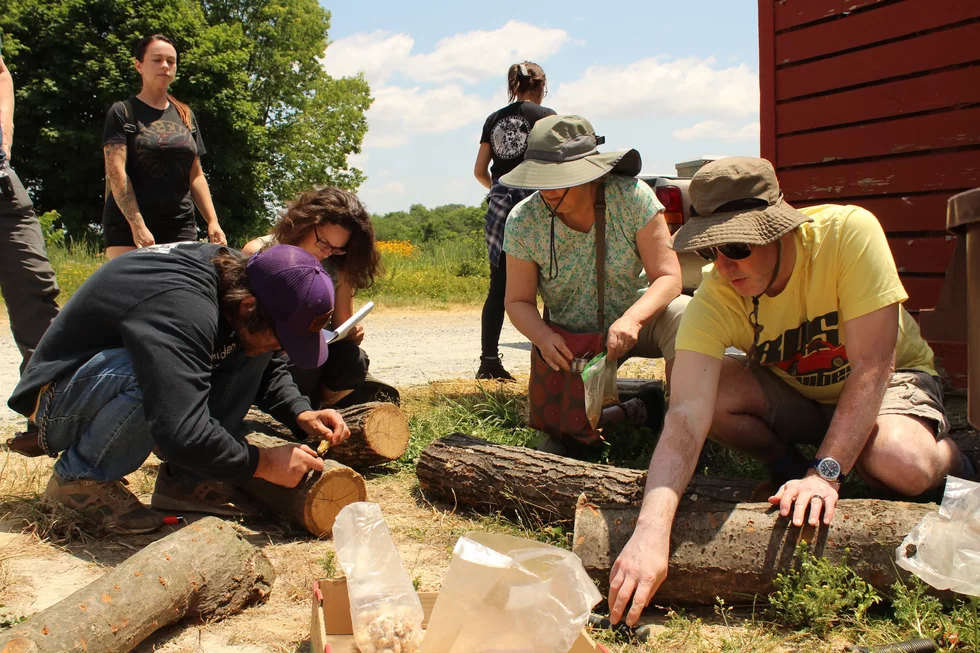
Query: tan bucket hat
point(736, 200)
point(561, 153)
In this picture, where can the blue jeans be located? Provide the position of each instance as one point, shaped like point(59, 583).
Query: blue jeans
point(95, 419)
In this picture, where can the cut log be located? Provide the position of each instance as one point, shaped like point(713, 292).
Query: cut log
point(378, 433)
point(315, 502)
point(467, 471)
point(206, 570)
point(629, 388)
point(735, 553)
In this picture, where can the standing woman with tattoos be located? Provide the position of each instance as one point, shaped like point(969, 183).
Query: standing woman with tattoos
point(152, 152)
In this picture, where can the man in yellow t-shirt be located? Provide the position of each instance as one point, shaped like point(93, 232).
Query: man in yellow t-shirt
point(832, 359)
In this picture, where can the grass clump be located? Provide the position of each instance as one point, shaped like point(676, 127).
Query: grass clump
point(820, 595)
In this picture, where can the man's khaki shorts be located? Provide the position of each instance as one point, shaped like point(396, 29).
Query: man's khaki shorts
point(794, 418)
point(656, 339)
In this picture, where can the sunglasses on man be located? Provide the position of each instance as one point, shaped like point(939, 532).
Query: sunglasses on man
point(733, 251)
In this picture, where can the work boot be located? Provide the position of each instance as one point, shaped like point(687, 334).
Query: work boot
point(211, 497)
point(107, 504)
point(492, 368)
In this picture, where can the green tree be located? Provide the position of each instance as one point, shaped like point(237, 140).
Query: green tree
point(274, 123)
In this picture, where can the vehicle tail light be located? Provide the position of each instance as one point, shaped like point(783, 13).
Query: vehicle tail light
point(670, 197)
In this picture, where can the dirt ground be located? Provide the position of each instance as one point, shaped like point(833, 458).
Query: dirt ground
point(407, 348)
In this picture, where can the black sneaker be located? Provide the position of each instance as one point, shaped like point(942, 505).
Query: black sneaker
point(493, 369)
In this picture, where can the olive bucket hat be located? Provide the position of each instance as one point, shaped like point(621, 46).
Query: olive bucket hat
point(561, 153)
point(736, 200)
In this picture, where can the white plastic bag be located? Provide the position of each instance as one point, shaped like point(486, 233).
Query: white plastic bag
point(599, 379)
point(944, 548)
point(508, 594)
point(384, 608)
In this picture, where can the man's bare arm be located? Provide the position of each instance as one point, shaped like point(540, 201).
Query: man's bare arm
point(871, 343)
point(642, 566)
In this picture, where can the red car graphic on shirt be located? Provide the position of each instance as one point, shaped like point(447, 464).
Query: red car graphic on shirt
point(818, 356)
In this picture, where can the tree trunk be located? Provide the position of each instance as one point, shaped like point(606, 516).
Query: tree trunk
point(206, 570)
point(378, 433)
point(735, 552)
point(467, 471)
point(315, 502)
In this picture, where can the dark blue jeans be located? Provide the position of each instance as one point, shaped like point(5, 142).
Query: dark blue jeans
point(95, 418)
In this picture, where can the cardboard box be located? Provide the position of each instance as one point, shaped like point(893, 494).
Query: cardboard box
point(331, 624)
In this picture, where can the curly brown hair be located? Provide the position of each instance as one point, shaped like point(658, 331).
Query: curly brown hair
point(361, 263)
point(524, 77)
point(234, 288)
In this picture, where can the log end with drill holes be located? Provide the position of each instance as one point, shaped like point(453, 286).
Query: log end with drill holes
point(316, 500)
point(379, 434)
point(336, 487)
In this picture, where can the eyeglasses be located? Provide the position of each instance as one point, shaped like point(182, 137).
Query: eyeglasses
point(734, 251)
point(325, 246)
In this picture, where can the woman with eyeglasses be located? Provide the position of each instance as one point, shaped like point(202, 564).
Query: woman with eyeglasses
point(334, 225)
point(502, 147)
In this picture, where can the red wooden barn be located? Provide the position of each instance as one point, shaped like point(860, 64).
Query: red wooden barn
point(877, 103)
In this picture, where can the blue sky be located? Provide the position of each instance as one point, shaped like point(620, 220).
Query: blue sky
point(675, 80)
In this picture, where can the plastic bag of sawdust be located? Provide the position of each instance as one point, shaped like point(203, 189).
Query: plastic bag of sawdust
point(507, 594)
point(599, 379)
point(384, 608)
point(944, 548)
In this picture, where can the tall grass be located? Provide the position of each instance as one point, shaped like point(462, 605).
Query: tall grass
point(432, 274)
point(73, 263)
point(427, 276)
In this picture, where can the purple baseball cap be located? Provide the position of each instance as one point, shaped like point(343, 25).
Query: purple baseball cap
point(293, 286)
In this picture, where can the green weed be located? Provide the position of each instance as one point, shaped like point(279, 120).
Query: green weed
point(820, 595)
point(329, 564)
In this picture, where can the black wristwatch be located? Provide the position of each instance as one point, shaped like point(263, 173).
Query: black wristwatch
point(828, 469)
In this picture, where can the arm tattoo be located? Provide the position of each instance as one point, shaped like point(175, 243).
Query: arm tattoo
point(119, 182)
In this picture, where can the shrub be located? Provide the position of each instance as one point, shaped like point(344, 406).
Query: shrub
point(820, 594)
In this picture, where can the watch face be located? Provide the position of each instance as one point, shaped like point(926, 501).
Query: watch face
point(829, 469)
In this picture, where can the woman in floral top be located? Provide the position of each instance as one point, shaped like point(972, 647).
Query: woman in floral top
point(550, 244)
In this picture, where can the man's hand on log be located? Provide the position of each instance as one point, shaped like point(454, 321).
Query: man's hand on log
point(810, 492)
point(325, 425)
point(287, 464)
point(638, 572)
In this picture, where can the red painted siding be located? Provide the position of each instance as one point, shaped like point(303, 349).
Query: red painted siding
point(877, 103)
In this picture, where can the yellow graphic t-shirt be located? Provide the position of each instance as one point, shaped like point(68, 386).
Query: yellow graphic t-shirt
point(844, 269)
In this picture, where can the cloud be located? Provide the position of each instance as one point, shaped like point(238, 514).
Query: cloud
point(467, 57)
point(400, 113)
point(377, 54)
point(659, 86)
point(718, 130)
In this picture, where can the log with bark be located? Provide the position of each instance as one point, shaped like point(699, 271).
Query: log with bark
point(467, 471)
point(315, 502)
point(735, 552)
point(378, 433)
point(206, 570)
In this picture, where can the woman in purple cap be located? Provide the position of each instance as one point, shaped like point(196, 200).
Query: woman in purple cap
point(502, 148)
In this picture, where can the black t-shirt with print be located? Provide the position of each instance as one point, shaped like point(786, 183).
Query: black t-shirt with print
point(507, 130)
point(159, 158)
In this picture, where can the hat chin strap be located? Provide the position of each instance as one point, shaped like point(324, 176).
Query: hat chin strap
point(775, 270)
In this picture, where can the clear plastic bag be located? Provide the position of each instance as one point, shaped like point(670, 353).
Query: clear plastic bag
point(384, 608)
point(599, 378)
point(505, 594)
point(944, 548)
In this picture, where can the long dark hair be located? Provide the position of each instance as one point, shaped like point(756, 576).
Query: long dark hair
point(140, 53)
point(234, 288)
point(523, 77)
point(361, 263)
